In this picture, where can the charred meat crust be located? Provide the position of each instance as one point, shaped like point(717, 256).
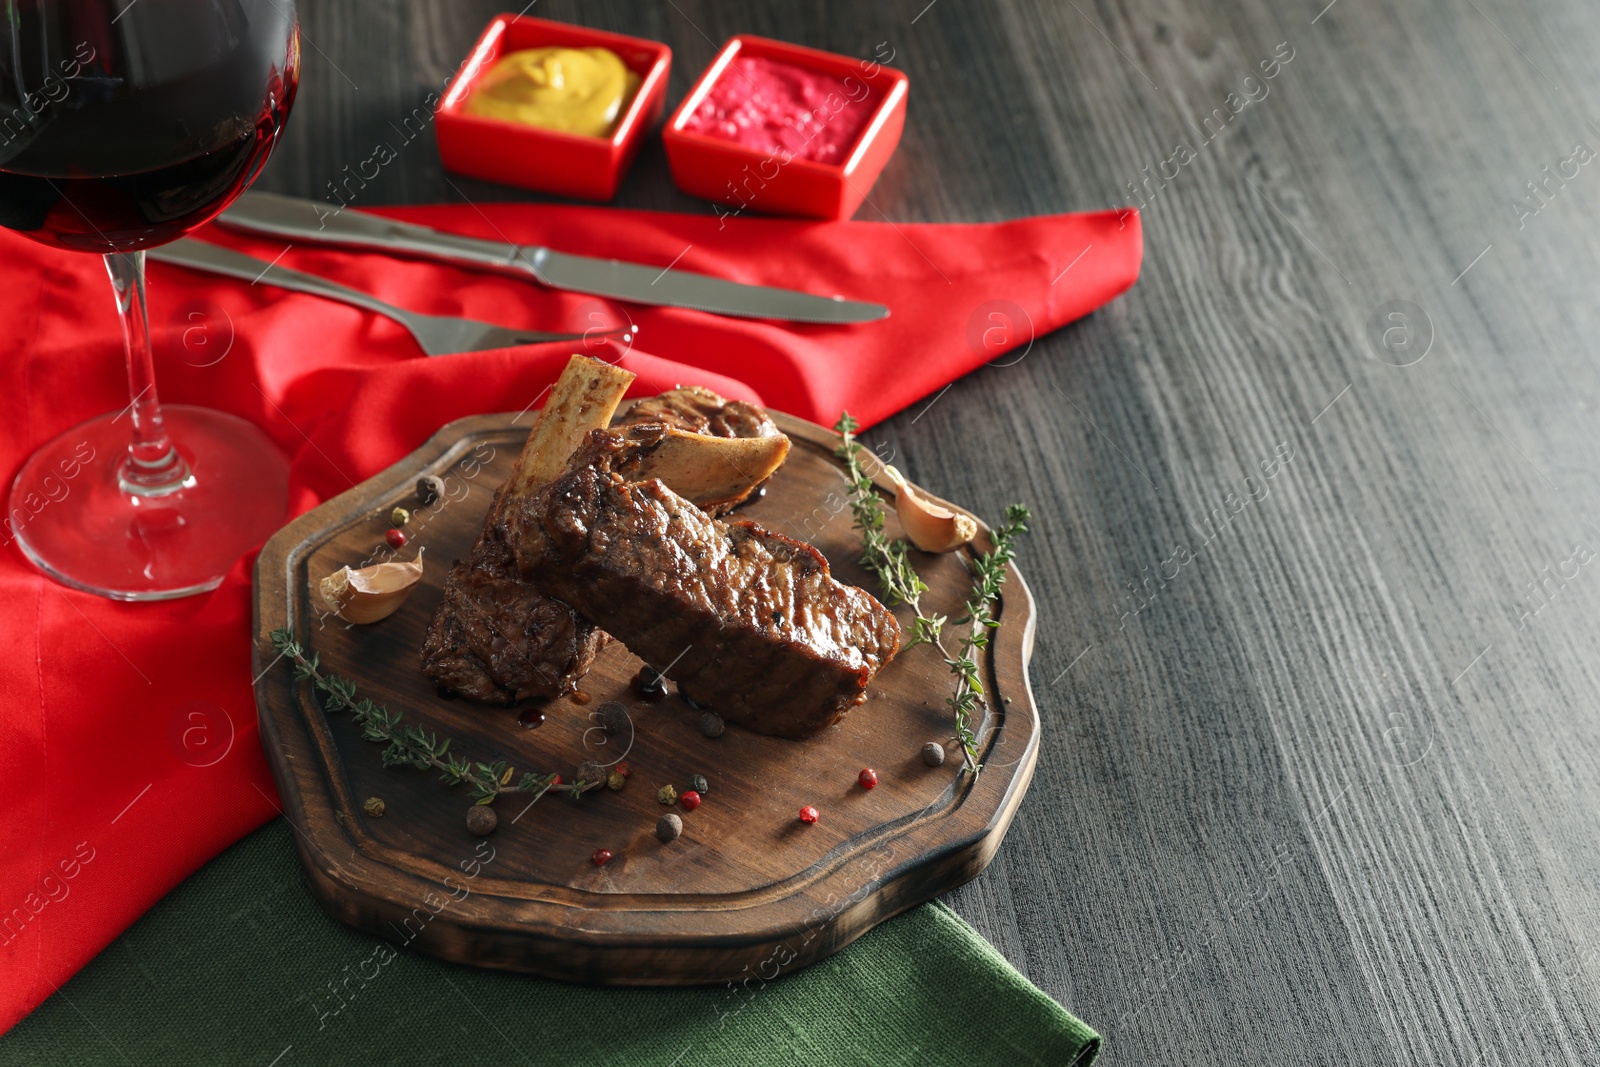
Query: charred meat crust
point(751, 622)
point(497, 639)
point(699, 410)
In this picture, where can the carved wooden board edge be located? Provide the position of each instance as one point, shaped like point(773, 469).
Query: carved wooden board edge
point(707, 940)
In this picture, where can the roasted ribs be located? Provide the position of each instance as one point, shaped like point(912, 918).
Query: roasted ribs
point(497, 639)
point(746, 621)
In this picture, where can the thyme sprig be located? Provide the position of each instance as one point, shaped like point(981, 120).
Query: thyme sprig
point(889, 561)
point(989, 575)
point(412, 746)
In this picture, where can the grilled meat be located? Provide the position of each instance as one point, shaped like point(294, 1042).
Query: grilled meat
point(498, 639)
point(747, 621)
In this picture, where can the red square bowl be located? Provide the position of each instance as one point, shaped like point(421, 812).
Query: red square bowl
point(550, 161)
point(758, 180)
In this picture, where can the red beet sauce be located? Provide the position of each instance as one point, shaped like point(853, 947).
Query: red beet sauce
point(785, 110)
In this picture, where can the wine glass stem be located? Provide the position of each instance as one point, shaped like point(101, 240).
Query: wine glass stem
point(152, 466)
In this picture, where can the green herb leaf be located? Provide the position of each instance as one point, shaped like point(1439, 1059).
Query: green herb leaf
point(890, 563)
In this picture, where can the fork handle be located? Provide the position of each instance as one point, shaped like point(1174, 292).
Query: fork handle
point(199, 255)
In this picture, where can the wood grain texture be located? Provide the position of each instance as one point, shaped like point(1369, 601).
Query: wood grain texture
point(747, 890)
point(1324, 798)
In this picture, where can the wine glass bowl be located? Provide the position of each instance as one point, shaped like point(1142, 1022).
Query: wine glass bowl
point(125, 124)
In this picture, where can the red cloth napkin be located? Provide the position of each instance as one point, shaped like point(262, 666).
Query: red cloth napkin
point(128, 746)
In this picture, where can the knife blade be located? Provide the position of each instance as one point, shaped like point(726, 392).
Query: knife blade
point(308, 220)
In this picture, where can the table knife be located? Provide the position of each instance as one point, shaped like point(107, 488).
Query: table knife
point(309, 220)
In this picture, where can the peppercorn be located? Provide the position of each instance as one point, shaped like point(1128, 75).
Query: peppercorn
point(624, 769)
point(615, 782)
point(481, 820)
point(668, 827)
point(711, 724)
point(698, 783)
point(396, 538)
point(429, 489)
point(933, 753)
point(666, 794)
point(373, 807)
point(652, 684)
point(808, 815)
point(690, 800)
point(601, 857)
point(590, 771)
point(399, 517)
point(868, 778)
point(613, 717)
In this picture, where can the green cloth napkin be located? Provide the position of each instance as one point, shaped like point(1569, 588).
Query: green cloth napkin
point(239, 963)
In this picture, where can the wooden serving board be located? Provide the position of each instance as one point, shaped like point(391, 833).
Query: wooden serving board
point(747, 889)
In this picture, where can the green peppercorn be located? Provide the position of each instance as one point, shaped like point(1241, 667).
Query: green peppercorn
point(399, 517)
point(615, 781)
point(668, 828)
point(373, 807)
point(667, 795)
point(698, 783)
point(481, 820)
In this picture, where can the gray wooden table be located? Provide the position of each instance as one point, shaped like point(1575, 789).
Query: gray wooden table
point(1327, 791)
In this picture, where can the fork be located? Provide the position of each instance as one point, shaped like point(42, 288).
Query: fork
point(438, 335)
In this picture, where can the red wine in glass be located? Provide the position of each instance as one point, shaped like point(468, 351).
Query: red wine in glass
point(125, 124)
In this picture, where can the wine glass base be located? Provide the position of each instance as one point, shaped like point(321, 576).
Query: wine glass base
point(70, 516)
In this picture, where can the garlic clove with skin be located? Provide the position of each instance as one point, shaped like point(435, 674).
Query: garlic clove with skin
point(930, 525)
point(368, 594)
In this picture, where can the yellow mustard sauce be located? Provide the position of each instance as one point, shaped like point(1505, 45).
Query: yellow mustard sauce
point(574, 90)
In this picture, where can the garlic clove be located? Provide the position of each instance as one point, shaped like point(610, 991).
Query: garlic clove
point(372, 593)
point(930, 525)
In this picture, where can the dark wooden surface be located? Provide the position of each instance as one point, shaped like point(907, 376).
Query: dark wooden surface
point(1323, 798)
point(746, 885)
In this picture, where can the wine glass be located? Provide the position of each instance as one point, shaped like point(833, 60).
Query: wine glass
point(125, 124)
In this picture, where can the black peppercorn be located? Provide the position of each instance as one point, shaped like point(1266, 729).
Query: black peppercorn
point(698, 783)
point(612, 717)
point(711, 724)
point(652, 684)
point(481, 820)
